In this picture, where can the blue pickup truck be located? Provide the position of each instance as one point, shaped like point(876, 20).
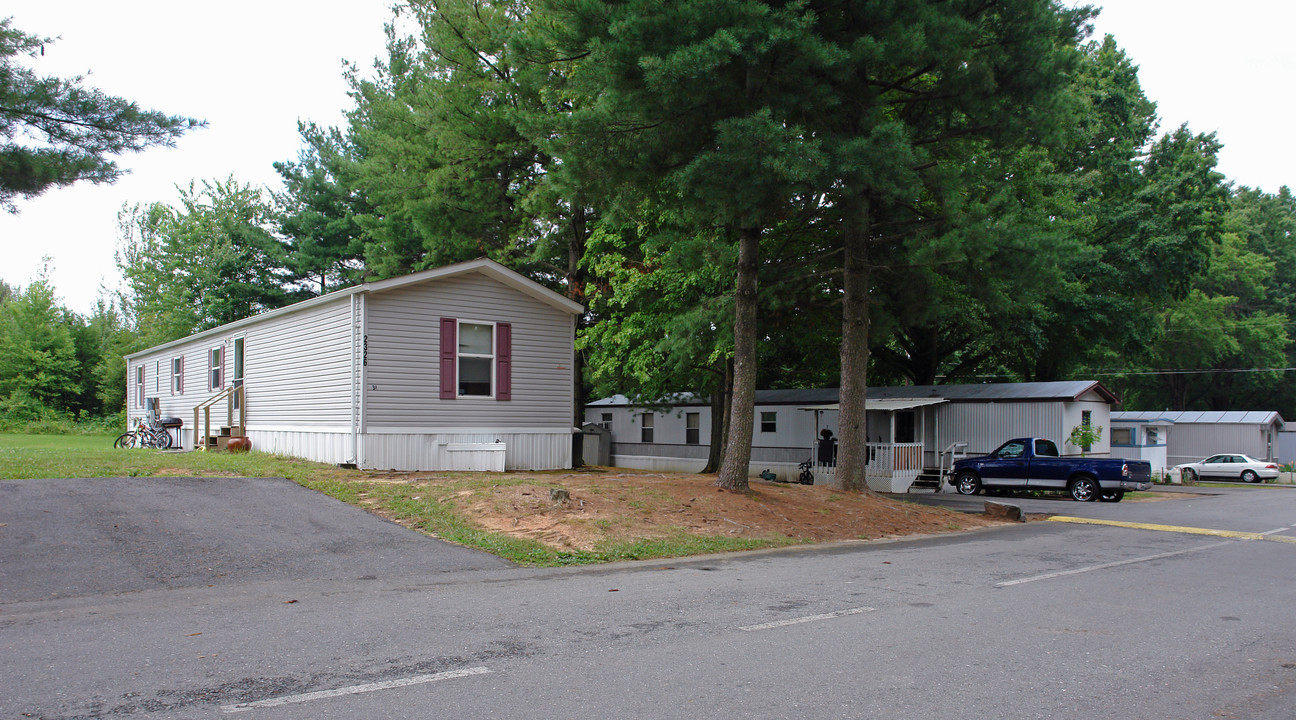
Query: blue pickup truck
point(1035, 464)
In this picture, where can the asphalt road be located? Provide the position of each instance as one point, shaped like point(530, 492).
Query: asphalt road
point(1039, 620)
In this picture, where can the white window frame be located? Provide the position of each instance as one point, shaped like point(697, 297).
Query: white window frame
point(216, 368)
point(695, 419)
point(772, 420)
point(177, 375)
point(460, 355)
point(646, 428)
point(139, 385)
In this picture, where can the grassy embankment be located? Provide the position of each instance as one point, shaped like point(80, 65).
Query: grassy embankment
point(433, 505)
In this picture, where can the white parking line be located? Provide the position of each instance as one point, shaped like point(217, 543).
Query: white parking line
point(806, 619)
point(354, 690)
point(1104, 566)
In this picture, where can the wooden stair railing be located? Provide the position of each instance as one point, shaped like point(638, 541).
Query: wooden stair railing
point(235, 396)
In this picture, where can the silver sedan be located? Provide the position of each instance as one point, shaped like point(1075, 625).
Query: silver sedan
point(1229, 467)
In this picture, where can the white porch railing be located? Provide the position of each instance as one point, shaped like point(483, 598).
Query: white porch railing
point(891, 467)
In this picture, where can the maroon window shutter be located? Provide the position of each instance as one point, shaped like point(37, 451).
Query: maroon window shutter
point(503, 361)
point(449, 349)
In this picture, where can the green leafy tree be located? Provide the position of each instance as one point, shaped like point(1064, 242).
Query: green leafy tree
point(317, 214)
point(439, 148)
point(39, 371)
point(1147, 211)
point(910, 96)
point(689, 106)
point(658, 314)
point(55, 132)
point(212, 260)
point(1218, 347)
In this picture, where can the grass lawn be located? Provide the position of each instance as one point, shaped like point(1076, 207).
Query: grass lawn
point(90, 456)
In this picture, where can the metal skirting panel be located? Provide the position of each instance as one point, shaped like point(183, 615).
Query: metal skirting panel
point(325, 447)
point(786, 471)
point(466, 451)
point(677, 451)
point(659, 464)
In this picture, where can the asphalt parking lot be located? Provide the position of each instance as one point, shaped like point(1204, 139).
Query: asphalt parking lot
point(74, 538)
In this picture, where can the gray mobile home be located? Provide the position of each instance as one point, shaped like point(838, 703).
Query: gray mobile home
point(1190, 435)
point(464, 367)
point(911, 429)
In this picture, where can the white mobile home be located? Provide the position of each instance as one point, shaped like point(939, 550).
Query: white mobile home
point(464, 367)
point(910, 428)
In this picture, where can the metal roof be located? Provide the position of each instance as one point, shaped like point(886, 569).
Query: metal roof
point(987, 392)
point(1218, 417)
point(885, 405)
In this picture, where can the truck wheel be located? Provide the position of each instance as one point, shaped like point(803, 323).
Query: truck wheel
point(1250, 476)
point(1084, 489)
point(967, 483)
point(1112, 496)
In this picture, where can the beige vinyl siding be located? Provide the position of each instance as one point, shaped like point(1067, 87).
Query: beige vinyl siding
point(297, 368)
point(402, 376)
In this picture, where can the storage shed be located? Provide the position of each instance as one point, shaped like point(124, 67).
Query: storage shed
point(464, 367)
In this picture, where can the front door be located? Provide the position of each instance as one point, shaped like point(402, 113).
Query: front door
point(905, 427)
point(237, 380)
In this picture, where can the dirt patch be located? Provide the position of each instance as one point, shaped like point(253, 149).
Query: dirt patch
point(626, 506)
point(1159, 496)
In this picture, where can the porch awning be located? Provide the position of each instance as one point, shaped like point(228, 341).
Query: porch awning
point(886, 405)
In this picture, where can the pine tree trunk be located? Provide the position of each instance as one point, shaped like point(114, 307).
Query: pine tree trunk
point(852, 430)
point(737, 458)
point(576, 277)
point(728, 407)
point(719, 409)
point(720, 404)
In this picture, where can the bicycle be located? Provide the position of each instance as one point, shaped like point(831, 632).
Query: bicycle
point(145, 436)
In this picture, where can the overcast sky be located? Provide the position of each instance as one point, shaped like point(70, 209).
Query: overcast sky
point(252, 69)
